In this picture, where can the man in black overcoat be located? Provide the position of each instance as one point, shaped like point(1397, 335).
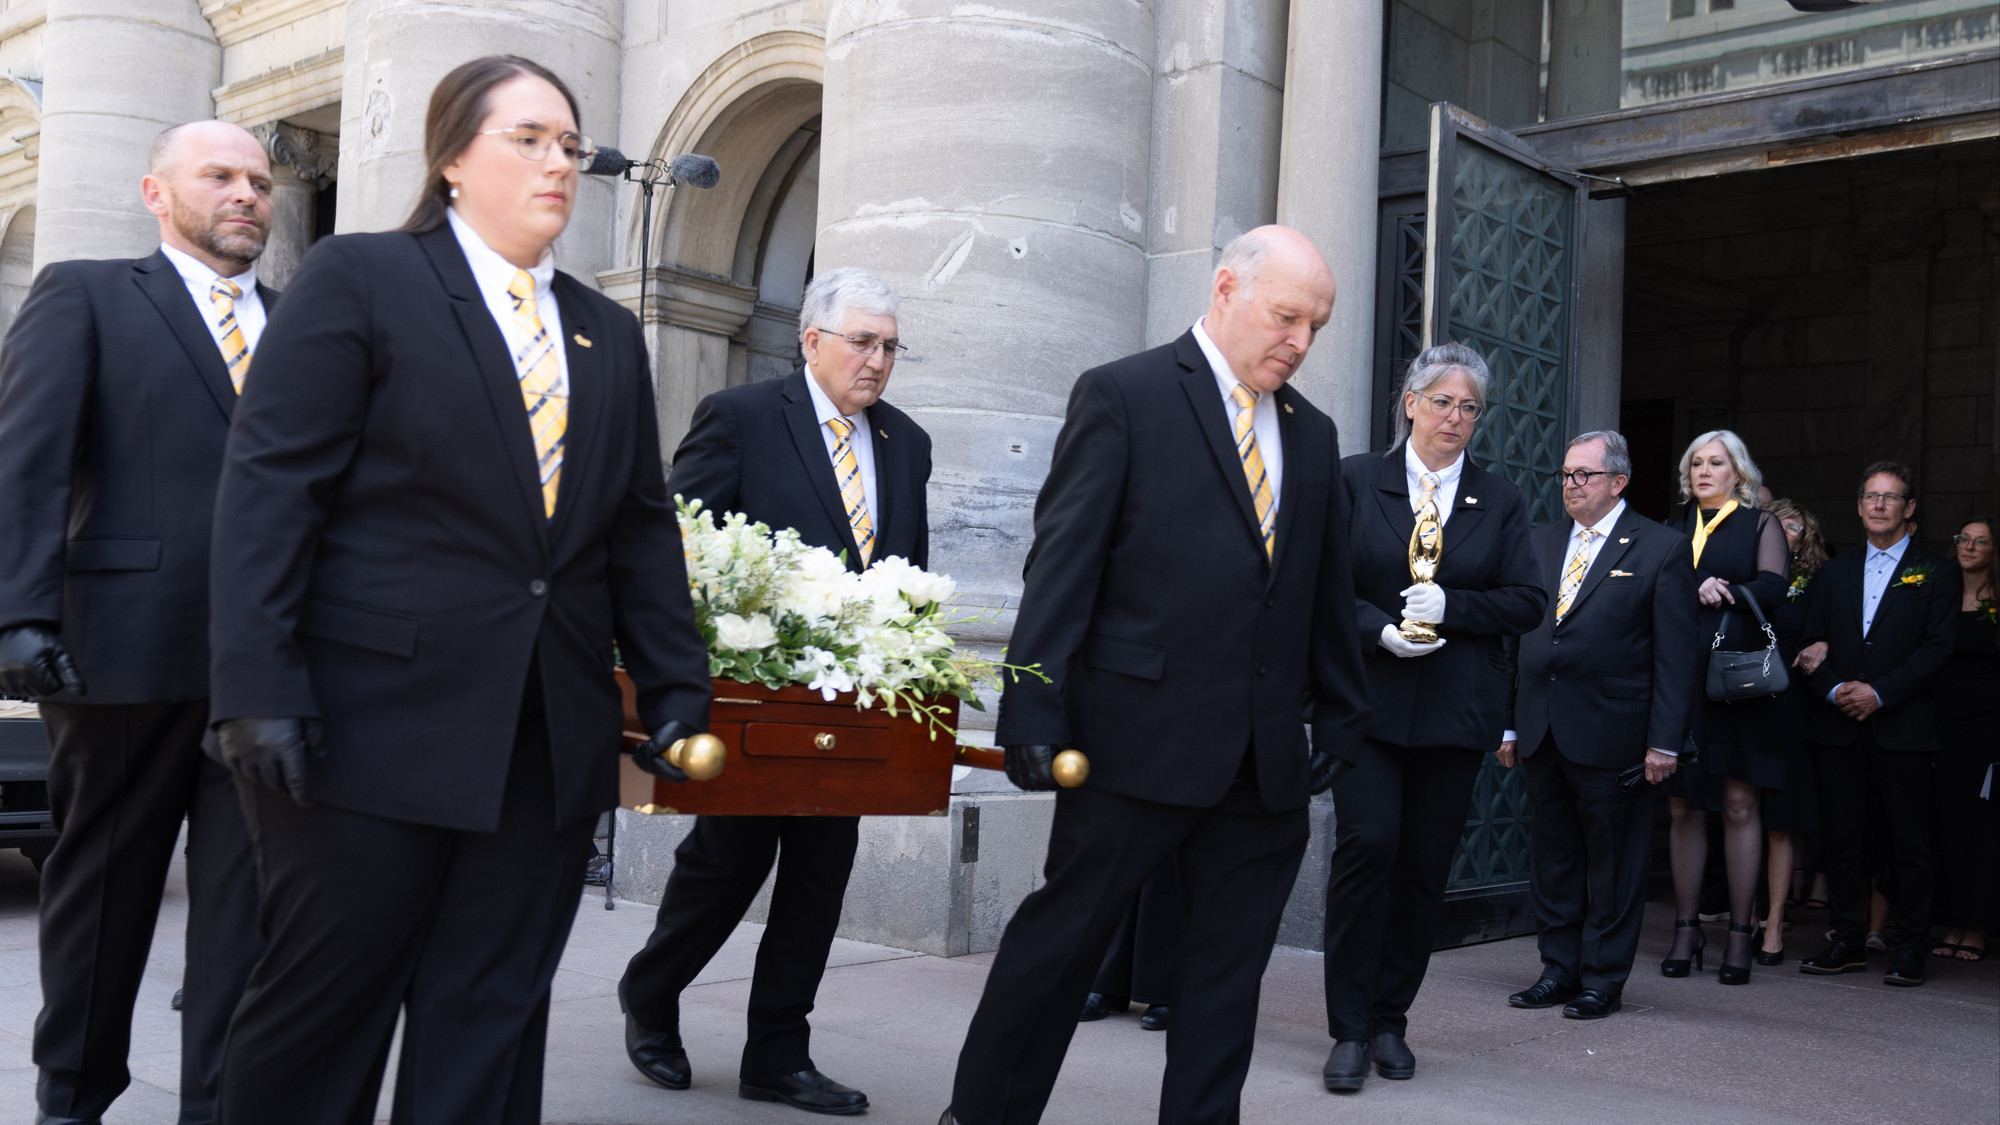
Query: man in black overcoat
point(1882, 620)
point(1605, 697)
point(117, 383)
point(819, 452)
point(1189, 598)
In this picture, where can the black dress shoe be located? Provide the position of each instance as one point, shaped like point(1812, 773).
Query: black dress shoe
point(1907, 970)
point(1840, 956)
point(809, 1090)
point(1591, 1004)
point(1392, 1056)
point(1097, 1005)
point(1347, 1067)
point(658, 1055)
point(1158, 1017)
point(1544, 993)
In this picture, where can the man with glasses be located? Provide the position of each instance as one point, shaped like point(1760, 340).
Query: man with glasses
point(1604, 698)
point(820, 452)
point(1884, 619)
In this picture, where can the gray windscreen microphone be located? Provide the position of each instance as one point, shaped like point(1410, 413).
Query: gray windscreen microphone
point(608, 161)
point(695, 170)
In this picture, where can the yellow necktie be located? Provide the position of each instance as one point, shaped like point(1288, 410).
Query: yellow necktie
point(1579, 565)
point(847, 470)
point(1431, 483)
point(1253, 465)
point(235, 349)
point(541, 375)
point(1704, 528)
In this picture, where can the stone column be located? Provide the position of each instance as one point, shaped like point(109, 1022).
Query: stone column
point(1327, 188)
point(1586, 53)
point(115, 73)
point(396, 52)
point(300, 160)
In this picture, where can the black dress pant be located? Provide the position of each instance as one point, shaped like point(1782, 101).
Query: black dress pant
point(121, 779)
point(1587, 874)
point(1237, 863)
point(718, 870)
point(1139, 965)
point(1399, 814)
point(1860, 785)
point(460, 931)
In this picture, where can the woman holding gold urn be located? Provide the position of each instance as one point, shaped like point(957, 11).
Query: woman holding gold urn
point(1441, 688)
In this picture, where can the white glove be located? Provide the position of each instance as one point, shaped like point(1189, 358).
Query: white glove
point(1424, 602)
point(1395, 642)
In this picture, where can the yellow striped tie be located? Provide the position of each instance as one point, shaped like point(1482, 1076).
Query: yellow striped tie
point(1253, 465)
point(541, 391)
point(847, 470)
point(235, 349)
point(1579, 565)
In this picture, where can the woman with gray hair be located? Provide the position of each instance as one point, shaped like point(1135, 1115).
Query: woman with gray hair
point(1738, 550)
point(1439, 705)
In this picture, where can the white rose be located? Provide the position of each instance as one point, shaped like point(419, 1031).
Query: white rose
point(745, 634)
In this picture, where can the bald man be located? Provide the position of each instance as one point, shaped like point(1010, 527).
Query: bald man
point(116, 384)
point(1187, 594)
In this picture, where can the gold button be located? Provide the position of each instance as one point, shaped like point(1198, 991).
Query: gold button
point(824, 741)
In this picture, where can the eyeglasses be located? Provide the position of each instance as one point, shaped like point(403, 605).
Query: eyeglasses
point(868, 344)
point(1580, 477)
point(1442, 406)
point(1874, 499)
point(531, 142)
point(1971, 540)
point(1795, 528)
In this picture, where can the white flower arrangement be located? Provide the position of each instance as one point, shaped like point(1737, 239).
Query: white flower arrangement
point(777, 612)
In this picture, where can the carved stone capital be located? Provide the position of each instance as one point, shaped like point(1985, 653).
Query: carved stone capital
point(314, 156)
point(683, 298)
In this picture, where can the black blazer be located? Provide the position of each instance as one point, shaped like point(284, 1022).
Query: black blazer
point(1459, 695)
point(757, 449)
point(114, 407)
point(382, 558)
point(1172, 643)
point(1619, 674)
point(1905, 646)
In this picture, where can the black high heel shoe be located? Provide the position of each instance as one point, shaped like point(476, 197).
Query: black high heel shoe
point(1678, 967)
point(1735, 974)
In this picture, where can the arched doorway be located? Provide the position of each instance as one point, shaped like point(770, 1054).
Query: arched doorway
point(17, 264)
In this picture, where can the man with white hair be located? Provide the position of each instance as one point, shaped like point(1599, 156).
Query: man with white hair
point(820, 452)
point(116, 390)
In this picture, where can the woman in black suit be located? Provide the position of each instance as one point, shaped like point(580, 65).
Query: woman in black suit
point(1793, 810)
point(440, 506)
point(1968, 727)
point(1439, 707)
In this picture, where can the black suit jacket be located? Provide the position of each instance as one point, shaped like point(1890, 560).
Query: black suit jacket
point(1459, 695)
point(1909, 640)
point(382, 558)
point(1619, 674)
point(1171, 642)
point(757, 449)
point(114, 408)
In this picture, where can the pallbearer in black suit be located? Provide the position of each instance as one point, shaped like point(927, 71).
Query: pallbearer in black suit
point(818, 452)
point(1888, 618)
point(116, 388)
point(1187, 592)
point(1605, 695)
point(434, 526)
point(1439, 706)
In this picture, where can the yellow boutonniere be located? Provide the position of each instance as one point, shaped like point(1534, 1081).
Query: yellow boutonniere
point(1798, 586)
point(1914, 575)
point(1991, 609)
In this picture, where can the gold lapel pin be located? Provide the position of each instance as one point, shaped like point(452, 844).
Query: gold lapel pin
point(581, 339)
point(1619, 574)
point(1288, 407)
point(884, 433)
point(1472, 499)
point(1625, 540)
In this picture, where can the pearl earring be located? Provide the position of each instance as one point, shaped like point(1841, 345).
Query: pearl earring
point(454, 191)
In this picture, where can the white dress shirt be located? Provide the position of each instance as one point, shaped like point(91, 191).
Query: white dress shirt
point(1603, 529)
point(198, 277)
point(493, 274)
point(1447, 490)
point(1263, 415)
point(863, 441)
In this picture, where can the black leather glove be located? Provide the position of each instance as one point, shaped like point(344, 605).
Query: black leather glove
point(1032, 768)
point(652, 757)
point(271, 753)
point(34, 663)
point(1322, 770)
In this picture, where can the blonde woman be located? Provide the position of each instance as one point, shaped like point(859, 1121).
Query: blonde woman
point(1794, 807)
point(1737, 550)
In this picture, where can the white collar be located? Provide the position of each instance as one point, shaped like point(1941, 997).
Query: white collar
point(1604, 526)
point(823, 407)
point(1414, 465)
point(1893, 551)
point(493, 272)
point(1225, 376)
point(198, 274)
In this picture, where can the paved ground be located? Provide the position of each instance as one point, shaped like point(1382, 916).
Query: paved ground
point(1787, 1048)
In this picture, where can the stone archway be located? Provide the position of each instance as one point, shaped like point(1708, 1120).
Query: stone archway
point(17, 264)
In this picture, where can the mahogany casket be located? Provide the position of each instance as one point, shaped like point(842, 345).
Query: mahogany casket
point(792, 753)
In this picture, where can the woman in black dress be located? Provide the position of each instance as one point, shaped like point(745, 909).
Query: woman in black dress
point(1968, 727)
point(1737, 549)
point(1794, 808)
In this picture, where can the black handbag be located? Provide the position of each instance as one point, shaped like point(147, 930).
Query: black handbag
point(1736, 676)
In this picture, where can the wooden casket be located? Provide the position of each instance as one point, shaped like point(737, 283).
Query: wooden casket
point(792, 753)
